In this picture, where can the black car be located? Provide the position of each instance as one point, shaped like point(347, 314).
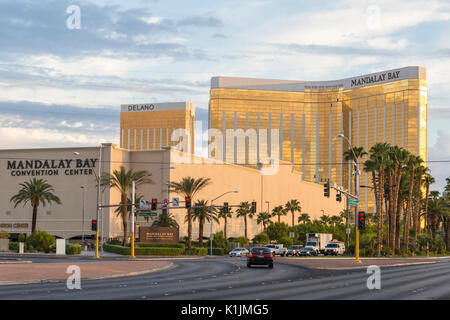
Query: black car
point(260, 256)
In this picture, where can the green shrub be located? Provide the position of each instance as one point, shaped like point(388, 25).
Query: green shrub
point(73, 248)
point(242, 241)
point(261, 238)
point(143, 251)
point(161, 245)
point(114, 248)
point(195, 251)
point(115, 242)
point(4, 235)
point(41, 241)
point(14, 246)
point(22, 237)
point(157, 251)
point(286, 241)
point(220, 241)
point(276, 231)
point(218, 251)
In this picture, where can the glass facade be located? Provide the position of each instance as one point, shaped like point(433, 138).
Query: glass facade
point(298, 122)
point(152, 126)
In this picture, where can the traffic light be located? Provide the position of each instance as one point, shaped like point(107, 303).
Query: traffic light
point(362, 220)
point(326, 189)
point(94, 225)
point(187, 201)
point(253, 207)
point(154, 204)
point(225, 207)
point(338, 197)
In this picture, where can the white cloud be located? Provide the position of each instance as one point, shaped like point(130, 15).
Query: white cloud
point(11, 138)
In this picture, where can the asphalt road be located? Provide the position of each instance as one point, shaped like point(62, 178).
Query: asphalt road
point(229, 278)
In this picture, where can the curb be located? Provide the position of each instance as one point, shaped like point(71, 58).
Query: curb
point(110, 276)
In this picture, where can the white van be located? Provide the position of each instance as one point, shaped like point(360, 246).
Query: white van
point(335, 248)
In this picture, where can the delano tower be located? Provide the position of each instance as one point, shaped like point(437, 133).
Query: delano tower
point(298, 122)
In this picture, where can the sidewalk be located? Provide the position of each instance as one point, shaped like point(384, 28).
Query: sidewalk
point(347, 263)
point(25, 273)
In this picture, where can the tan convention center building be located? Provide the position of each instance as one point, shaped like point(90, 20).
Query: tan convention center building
point(72, 172)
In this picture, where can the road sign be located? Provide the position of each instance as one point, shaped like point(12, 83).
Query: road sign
point(165, 202)
point(142, 204)
point(176, 202)
point(147, 214)
point(352, 202)
point(292, 235)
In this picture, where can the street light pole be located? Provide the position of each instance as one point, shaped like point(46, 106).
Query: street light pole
point(211, 226)
point(98, 199)
point(357, 173)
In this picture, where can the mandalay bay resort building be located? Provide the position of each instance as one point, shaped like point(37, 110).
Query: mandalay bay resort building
point(270, 140)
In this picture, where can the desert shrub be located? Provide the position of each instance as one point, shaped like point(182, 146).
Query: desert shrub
point(14, 246)
point(161, 245)
point(285, 241)
point(40, 241)
point(4, 235)
point(261, 238)
point(73, 248)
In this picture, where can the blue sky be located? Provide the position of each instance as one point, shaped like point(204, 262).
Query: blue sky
point(63, 87)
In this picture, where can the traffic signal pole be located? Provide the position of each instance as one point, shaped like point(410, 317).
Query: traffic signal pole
point(133, 208)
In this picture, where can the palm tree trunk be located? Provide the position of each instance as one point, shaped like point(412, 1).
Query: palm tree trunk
point(34, 219)
point(391, 212)
point(292, 217)
point(408, 212)
point(245, 226)
point(200, 232)
point(225, 227)
point(379, 198)
point(125, 218)
point(398, 225)
point(189, 229)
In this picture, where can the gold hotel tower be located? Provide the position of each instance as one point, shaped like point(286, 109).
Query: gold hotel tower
point(150, 126)
point(388, 106)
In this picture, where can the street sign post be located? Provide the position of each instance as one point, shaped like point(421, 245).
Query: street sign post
point(147, 214)
point(352, 202)
point(176, 202)
point(292, 235)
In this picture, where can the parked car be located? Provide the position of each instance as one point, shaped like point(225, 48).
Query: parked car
point(277, 249)
point(308, 251)
point(294, 250)
point(335, 248)
point(238, 252)
point(260, 256)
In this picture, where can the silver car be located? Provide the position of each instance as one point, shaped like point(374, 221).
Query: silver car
point(239, 252)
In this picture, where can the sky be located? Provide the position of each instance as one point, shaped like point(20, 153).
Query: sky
point(62, 83)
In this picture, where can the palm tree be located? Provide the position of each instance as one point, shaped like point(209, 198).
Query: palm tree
point(244, 211)
point(376, 164)
point(264, 219)
point(137, 201)
point(122, 181)
point(304, 218)
point(435, 209)
point(293, 206)
point(350, 155)
point(325, 219)
point(203, 213)
point(225, 216)
point(279, 211)
point(189, 187)
point(165, 219)
point(36, 191)
point(428, 180)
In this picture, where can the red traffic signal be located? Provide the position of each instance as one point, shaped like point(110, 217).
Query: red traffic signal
point(362, 220)
point(94, 225)
point(187, 201)
point(154, 204)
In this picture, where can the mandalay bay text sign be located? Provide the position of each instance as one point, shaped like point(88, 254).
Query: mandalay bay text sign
point(36, 168)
